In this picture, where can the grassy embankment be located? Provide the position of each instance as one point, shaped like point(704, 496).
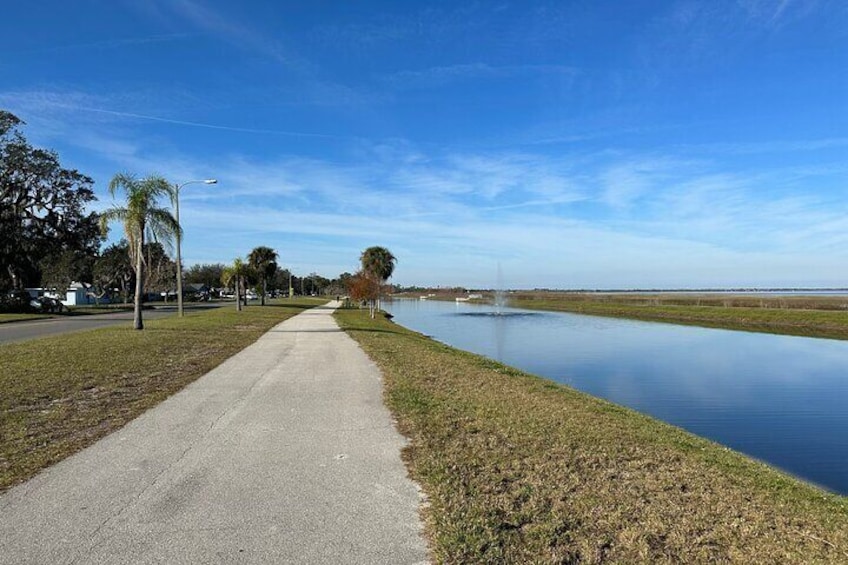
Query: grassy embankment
point(519, 469)
point(61, 394)
point(802, 316)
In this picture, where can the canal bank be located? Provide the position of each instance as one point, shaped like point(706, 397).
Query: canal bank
point(520, 469)
point(805, 316)
point(777, 398)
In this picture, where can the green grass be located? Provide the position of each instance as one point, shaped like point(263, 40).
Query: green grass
point(518, 469)
point(104, 309)
point(789, 320)
point(8, 318)
point(71, 311)
point(60, 394)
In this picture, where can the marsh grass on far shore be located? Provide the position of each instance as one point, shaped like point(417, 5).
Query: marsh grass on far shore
point(806, 316)
point(518, 469)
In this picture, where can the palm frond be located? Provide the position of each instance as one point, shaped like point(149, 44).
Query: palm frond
point(122, 180)
point(109, 215)
point(163, 226)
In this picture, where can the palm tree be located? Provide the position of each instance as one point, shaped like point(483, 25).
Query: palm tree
point(378, 263)
point(142, 218)
point(237, 275)
point(264, 261)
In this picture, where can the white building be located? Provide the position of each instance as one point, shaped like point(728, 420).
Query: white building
point(77, 294)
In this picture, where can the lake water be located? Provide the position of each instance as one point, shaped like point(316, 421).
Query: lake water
point(781, 399)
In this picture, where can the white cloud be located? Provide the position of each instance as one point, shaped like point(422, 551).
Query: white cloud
point(683, 224)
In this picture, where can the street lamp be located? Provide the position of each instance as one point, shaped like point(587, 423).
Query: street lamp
point(177, 188)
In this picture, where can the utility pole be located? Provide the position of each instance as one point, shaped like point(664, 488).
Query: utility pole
point(177, 188)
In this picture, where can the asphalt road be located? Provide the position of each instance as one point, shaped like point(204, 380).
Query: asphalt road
point(285, 453)
point(22, 331)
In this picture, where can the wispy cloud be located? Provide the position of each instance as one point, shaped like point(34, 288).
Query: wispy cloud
point(133, 115)
point(627, 181)
point(585, 253)
point(676, 199)
point(476, 198)
point(305, 82)
point(226, 27)
point(67, 105)
point(715, 228)
point(434, 77)
point(687, 33)
point(773, 13)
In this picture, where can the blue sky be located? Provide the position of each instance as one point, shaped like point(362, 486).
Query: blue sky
point(578, 144)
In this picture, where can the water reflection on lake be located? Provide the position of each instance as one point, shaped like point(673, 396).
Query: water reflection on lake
point(781, 399)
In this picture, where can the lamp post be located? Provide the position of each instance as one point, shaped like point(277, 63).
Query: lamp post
point(177, 188)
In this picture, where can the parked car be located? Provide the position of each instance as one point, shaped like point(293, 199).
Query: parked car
point(46, 304)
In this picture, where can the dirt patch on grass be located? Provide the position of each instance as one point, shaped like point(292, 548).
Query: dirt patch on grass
point(518, 469)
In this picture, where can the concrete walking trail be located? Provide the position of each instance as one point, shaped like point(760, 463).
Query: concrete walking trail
point(283, 454)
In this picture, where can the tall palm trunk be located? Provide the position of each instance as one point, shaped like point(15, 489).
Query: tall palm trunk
point(264, 289)
point(139, 283)
point(238, 292)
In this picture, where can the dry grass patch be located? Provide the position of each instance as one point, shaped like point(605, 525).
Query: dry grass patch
point(519, 469)
point(60, 394)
